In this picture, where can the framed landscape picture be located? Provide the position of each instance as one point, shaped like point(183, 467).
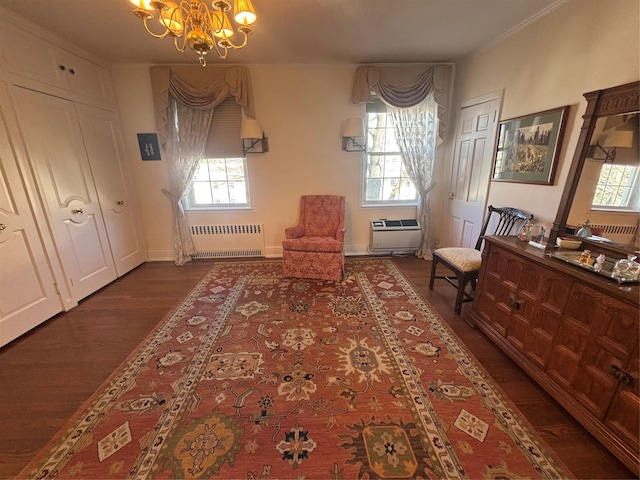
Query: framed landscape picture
point(529, 147)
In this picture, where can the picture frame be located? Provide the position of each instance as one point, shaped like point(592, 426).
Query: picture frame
point(528, 147)
point(149, 147)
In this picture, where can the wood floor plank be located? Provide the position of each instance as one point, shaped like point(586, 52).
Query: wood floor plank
point(47, 374)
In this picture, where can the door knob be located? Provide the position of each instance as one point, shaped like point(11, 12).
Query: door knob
point(77, 211)
point(451, 195)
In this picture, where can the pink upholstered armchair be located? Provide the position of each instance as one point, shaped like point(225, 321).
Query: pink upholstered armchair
point(315, 247)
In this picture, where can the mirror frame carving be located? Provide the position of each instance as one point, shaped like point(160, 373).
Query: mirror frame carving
point(600, 103)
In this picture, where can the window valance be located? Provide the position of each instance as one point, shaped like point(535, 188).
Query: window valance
point(405, 87)
point(198, 88)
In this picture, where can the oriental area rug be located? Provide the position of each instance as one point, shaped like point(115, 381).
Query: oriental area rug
point(255, 376)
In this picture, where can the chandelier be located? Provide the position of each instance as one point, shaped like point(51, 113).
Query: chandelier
point(192, 23)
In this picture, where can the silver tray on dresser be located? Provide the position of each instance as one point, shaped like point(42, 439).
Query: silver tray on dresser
point(607, 270)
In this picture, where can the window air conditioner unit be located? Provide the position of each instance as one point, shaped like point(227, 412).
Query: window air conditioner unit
point(388, 237)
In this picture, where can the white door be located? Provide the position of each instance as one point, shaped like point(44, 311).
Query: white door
point(101, 135)
point(56, 152)
point(471, 170)
point(27, 287)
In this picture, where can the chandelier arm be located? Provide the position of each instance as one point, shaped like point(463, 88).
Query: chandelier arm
point(146, 27)
point(180, 46)
point(230, 44)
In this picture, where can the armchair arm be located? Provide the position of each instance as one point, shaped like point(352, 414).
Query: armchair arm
point(294, 232)
point(340, 234)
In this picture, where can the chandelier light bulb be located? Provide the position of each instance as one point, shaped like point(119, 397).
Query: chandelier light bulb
point(244, 12)
point(143, 4)
point(222, 26)
point(171, 19)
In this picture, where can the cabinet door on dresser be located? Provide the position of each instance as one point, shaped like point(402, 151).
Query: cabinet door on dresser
point(523, 302)
point(537, 306)
point(623, 417)
point(56, 152)
point(101, 135)
point(498, 283)
point(27, 287)
point(595, 346)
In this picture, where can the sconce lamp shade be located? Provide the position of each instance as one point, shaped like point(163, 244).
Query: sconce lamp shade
point(250, 128)
point(353, 127)
point(353, 135)
point(619, 139)
point(253, 138)
point(607, 144)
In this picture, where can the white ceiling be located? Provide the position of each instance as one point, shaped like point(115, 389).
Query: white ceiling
point(301, 31)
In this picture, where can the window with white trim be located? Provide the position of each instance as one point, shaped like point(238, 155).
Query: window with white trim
point(386, 180)
point(222, 181)
point(617, 188)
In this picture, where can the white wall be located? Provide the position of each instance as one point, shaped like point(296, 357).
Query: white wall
point(582, 46)
point(301, 109)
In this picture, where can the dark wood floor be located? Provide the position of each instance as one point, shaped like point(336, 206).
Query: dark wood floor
point(48, 373)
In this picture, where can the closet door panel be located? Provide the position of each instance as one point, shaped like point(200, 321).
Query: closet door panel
point(56, 151)
point(101, 134)
point(27, 287)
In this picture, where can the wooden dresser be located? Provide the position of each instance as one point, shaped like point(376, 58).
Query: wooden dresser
point(574, 332)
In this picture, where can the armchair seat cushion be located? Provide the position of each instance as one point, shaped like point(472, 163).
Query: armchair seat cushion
point(313, 244)
point(466, 259)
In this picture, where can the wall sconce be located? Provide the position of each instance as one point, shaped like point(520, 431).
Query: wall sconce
point(353, 135)
point(610, 142)
point(253, 138)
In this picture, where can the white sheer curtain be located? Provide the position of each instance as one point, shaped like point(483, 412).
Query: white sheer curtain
point(418, 99)
point(416, 130)
point(187, 131)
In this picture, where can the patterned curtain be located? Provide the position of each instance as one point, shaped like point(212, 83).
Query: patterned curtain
point(187, 131)
point(416, 131)
point(184, 98)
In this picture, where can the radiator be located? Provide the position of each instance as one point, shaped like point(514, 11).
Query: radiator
point(226, 241)
point(624, 234)
point(394, 236)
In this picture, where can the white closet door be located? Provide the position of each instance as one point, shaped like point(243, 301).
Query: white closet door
point(56, 152)
point(27, 287)
point(101, 134)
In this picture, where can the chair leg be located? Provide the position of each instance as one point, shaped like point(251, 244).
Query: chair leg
point(434, 263)
point(462, 285)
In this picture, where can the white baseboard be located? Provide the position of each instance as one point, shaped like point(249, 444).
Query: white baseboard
point(269, 252)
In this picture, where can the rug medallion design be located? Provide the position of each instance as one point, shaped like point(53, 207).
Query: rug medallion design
point(256, 376)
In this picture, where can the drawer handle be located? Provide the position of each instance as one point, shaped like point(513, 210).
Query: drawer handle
point(120, 203)
point(2, 226)
point(77, 211)
point(621, 375)
point(513, 303)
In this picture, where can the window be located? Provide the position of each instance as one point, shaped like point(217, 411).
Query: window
point(220, 182)
point(385, 178)
point(617, 188)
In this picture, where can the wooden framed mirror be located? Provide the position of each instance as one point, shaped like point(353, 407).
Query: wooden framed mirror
point(607, 147)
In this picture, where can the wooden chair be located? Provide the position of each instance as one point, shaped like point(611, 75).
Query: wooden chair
point(464, 263)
